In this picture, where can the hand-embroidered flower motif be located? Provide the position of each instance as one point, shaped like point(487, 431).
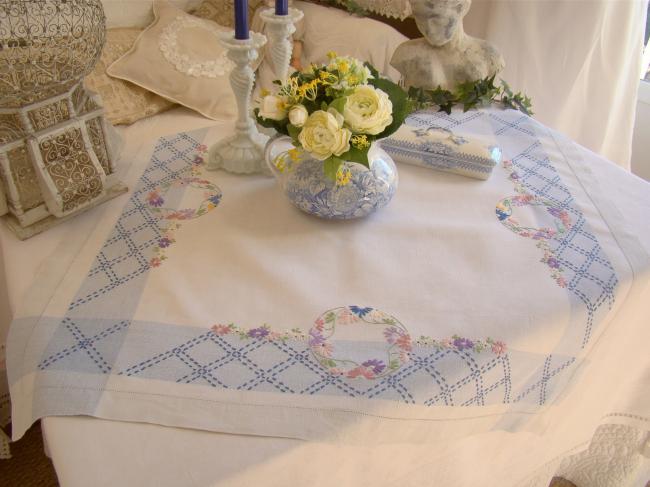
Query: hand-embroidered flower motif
point(258, 332)
point(170, 218)
point(562, 221)
point(391, 353)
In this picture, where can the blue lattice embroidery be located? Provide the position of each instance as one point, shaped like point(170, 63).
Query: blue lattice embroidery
point(454, 372)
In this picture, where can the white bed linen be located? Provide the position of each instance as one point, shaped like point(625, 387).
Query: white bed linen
point(95, 452)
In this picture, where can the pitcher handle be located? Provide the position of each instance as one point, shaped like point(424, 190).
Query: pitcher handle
point(274, 148)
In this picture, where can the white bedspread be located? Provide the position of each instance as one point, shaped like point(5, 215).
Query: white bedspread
point(498, 299)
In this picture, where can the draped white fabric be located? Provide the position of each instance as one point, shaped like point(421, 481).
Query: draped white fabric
point(579, 60)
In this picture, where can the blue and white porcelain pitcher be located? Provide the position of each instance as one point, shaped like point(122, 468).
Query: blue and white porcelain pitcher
point(363, 190)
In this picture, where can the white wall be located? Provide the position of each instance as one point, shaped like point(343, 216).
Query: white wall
point(641, 141)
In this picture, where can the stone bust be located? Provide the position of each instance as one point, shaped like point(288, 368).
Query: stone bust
point(445, 56)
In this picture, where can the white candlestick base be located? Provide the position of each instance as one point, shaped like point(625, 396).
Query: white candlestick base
point(280, 28)
point(242, 153)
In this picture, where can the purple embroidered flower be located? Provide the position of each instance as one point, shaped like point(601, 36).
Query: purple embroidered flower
point(154, 199)
point(215, 199)
point(258, 332)
point(391, 334)
point(463, 343)
point(553, 263)
point(164, 242)
point(198, 160)
point(315, 338)
point(375, 365)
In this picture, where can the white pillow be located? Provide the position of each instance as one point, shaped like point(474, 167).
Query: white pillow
point(180, 58)
point(137, 13)
point(329, 29)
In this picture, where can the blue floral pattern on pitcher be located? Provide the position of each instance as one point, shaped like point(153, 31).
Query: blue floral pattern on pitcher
point(307, 187)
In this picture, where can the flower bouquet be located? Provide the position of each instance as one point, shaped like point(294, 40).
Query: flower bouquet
point(334, 112)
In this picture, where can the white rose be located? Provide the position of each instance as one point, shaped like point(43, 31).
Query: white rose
point(368, 110)
point(323, 135)
point(298, 115)
point(273, 107)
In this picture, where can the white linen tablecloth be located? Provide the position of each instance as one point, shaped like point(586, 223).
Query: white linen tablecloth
point(564, 420)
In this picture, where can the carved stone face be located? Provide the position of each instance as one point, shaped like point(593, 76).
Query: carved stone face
point(438, 20)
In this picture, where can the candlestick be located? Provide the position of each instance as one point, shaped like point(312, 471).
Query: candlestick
point(280, 29)
point(243, 153)
point(281, 7)
point(241, 19)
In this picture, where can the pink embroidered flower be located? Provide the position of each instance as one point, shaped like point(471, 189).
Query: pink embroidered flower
point(498, 348)
point(323, 349)
point(335, 371)
point(221, 329)
point(361, 371)
point(346, 317)
point(202, 148)
point(185, 214)
point(319, 324)
point(155, 262)
point(561, 281)
point(404, 342)
point(198, 160)
point(446, 343)
point(274, 335)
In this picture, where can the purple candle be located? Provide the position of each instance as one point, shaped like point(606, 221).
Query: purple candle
point(281, 7)
point(241, 19)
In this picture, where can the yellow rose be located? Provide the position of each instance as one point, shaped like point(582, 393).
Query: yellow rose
point(368, 110)
point(273, 107)
point(323, 135)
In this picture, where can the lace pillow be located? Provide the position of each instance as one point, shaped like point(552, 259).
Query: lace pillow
point(222, 12)
point(124, 102)
point(180, 58)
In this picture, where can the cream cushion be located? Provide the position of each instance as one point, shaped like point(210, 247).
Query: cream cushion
point(138, 13)
point(180, 58)
point(124, 102)
point(222, 11)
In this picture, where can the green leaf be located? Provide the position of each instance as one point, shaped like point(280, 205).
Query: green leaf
point(331, 166)
point(293, 131)
point(356, 155)
point(372, 70)
point(338, 104)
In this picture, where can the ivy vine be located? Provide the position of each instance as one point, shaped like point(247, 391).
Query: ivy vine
point(470, 94)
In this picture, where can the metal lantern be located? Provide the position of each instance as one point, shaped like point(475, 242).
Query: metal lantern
point(54, 157)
